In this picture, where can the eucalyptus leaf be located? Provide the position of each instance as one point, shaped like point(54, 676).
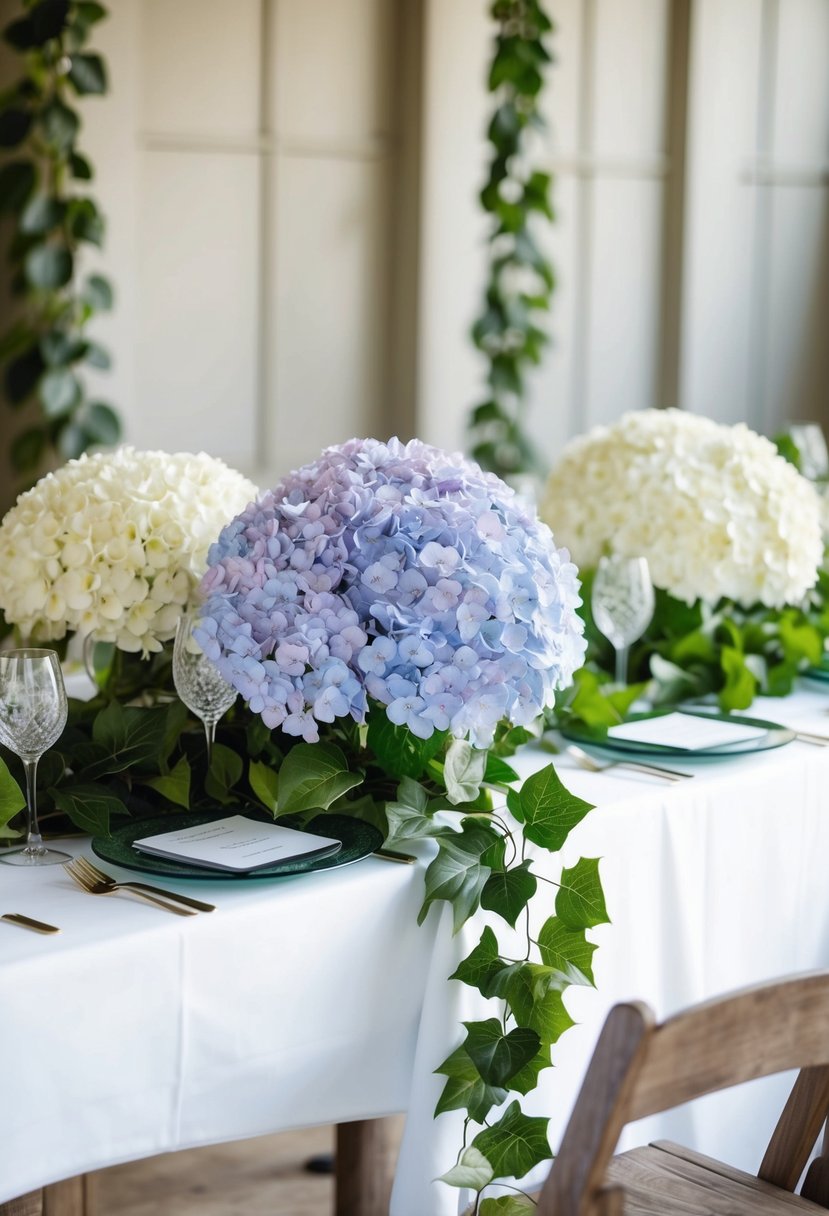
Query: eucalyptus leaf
point(14, 126)
point(88, 73)
point(101, 423)
point(17, 181)
point(60, 125)
point(22, 374)
point(59, 391)
point(48, 266)
point(97, 293)
point(41, 214)
point(27, 449)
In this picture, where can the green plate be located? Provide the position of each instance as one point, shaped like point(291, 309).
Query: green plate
point(597, 736)
point(358, 839)
point(818, 673)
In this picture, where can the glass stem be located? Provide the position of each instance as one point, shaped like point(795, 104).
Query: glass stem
point(34, 840)
point(210, 736)
point(622, 653)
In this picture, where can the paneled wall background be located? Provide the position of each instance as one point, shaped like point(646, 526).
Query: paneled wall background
point(298, 254)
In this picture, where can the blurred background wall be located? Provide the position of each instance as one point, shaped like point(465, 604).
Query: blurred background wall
point(293, 234)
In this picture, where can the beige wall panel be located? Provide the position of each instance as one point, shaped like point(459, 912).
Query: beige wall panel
point(560, 101)
point(718, 273)
point(200, 66)
point(333, 76)
point(630, 77)
point(623, 324)
point(197, 299)
point(328, 342)
point(796, 379)
point(801, 126)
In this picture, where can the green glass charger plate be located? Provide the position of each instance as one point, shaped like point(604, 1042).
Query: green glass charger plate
point(358, 839)
point(774, 735)
point(820, 672)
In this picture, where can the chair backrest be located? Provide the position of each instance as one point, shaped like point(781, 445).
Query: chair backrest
point(640, 1068)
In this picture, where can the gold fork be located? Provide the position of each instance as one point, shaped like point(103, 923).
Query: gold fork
point(94, 887)
point(96, 875)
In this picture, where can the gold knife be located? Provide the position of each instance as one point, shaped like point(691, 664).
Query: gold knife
point(26, 922)
point(405, 859)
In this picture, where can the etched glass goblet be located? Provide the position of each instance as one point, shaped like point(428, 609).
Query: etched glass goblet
point(202, 688)
point(33, 711)
point(622, 602)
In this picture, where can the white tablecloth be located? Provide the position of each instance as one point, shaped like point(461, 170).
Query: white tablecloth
point(318, 999)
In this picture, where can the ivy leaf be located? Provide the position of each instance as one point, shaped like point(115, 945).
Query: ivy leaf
point(507, 1205)
point(397, 750)
point(496, 1055)
point(508, 892)
point(88, 74)
point(537, 1005)
point(482, 965)
point(17, 181)
point(515, 1144)
point(48, 267)
point(740, 684)
point(312, 776)
point(498, 772)
point(527, 1077)
point(90, 807)
point(567, 951)
point(580, 901)
point(464, 1088)
point(226, 767)
point(547, 809)
point(174, 786)
point(458, 874)
point(264, 781)
point(12, 798)
point(133, 739)
point(463, 771)
point(473, 1170)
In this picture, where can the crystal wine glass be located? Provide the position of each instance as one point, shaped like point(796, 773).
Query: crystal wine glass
point(198, 681)
point(622, 602)
point(33, 712)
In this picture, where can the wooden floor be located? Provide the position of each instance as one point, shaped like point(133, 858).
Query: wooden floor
point(262, 1177)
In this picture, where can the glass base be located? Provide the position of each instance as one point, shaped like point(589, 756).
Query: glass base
point(39, 856)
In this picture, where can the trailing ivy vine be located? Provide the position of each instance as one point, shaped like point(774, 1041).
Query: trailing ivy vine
point(41, 188)
point(520, 282)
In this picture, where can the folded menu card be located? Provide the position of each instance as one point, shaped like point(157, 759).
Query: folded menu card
point(685, 731)
point(238, 844)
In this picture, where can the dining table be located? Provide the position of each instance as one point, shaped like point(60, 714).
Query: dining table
point(317, 999)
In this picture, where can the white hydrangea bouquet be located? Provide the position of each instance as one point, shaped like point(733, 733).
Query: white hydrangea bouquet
point(732, 534)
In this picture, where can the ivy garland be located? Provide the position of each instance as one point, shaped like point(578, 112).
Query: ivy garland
point(520, 282)
point(45, 350)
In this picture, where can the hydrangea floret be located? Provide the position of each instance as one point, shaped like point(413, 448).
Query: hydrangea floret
point(716, 511)
point(114, 545)
point(395, 573)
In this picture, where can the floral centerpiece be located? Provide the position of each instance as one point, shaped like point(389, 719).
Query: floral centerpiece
point(395, 623)
point(732, 534)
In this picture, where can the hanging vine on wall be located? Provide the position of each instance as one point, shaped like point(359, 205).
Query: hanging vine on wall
point(520, 282)
point(46, 349)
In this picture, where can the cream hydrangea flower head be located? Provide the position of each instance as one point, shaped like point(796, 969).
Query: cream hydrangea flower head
point(716, 511)
point(114, 544)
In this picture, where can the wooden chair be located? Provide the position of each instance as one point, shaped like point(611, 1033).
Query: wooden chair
point(640, 1068)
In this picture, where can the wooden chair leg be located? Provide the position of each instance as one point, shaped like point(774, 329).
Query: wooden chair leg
point(74, 1197)
point(24, 1205)
point(364, 1168)
point(816, 1183)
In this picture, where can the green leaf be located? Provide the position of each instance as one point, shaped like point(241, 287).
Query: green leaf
point(567, 951)
point(537, 1003)
point(80, 167)
point(547, 809)
point(85, 222)
point(14, 126)
point(42, 22)
point(527, 1077)
point(97, 293)
point(498, 772)
point(88, 74)
point(509, 891)
point(22, 375)
point(12, 798)
point(498, 1056)
point(133, 739)
point(458, 874)
point(174, 786)
point(17, 181)
point(465, 1090)
point(515, 1144)
point(101, 423)
point(580, 900)
point(740, 684)
point(98, 356)
point(28, 448)
point(226, 767)
point(71, 440)
point(42, 214)
point(463, 771)
point(313, 775)
point(396, 749)
point(60, 125)
point(507, 1205)
point(59, 348)
point(90, 806)
point(480, 968)
point(89, 11)
point(473, 1170)
point(48, 267)
point(264, 781)
point(59, 391)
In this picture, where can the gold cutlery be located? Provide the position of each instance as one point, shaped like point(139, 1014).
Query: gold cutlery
point(26, 922)
point(592, 765)
point(97, 875)
point(96, 887)
point(405, 859)
point(806, 736)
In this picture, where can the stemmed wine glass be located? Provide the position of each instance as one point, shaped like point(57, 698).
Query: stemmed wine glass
point(33, 713)
point(198, 681)
point(622, 602)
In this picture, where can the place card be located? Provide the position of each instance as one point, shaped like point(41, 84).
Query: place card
point(686, 731)
point(238, 844)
